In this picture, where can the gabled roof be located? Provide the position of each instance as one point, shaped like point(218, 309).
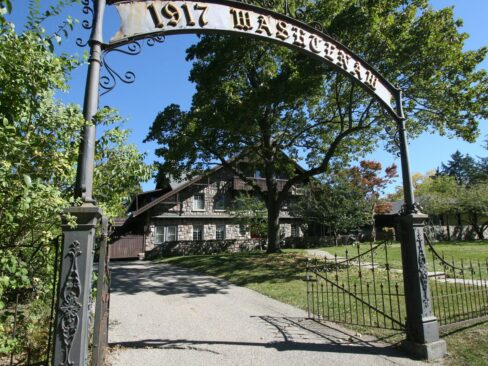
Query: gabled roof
point(186, 184)
point(176, 190)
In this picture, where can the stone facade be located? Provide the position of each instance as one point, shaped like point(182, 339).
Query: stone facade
point(181, 213)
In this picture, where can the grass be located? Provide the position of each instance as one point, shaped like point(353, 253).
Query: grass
point(281, 277)
point(457, 251)
point(468, 346)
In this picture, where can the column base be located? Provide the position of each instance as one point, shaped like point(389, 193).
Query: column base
point(426, 351)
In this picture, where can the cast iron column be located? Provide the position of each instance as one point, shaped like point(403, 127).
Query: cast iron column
point(74, 289)
point(422, 326)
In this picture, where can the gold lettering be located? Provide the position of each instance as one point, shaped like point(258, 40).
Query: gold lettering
point(189, 18)
point(171, 12)
point(202, 20)
point(263, 25)
point(343, 59)
point(371, 80)
point(298, 36)
point(357, 70)
point(329, 50)
point(158, 22)
point(315, 44)
point(242, 19)
point(281, 31)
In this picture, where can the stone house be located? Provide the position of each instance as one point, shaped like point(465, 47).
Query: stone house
point(193, 217)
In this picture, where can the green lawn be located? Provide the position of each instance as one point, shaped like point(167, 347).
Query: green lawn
point(457, 251)
point(281, 276)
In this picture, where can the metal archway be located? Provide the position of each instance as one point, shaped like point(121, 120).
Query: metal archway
point(151, 20)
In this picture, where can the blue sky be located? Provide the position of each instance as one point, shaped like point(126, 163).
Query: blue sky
point(162, 78)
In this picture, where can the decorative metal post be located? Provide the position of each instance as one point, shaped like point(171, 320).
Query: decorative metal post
point(422, 326)
point(72, 310)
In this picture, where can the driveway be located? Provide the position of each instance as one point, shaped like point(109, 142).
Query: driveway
point(166, 315)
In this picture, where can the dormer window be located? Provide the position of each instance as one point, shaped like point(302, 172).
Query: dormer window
point(199, 201)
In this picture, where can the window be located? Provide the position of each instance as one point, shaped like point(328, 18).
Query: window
point(220, 232)
point(219, 202)
point(199, 201)
point(282, 232)
point(197, 232)
point(243, 230)
point(166, 233)
point(258, 174)
point(295, 231)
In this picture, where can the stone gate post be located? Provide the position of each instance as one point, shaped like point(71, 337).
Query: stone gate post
point(422, 326)
point(74, 289)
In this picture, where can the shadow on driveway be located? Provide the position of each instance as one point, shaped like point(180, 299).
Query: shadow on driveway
point(293, 334)
point(136, 277)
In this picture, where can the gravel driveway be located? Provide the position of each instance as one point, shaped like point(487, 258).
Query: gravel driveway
point(166, 315)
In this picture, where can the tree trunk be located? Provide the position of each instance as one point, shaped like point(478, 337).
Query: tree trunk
point(478, 229)
point(273, 227)
point(448, 228)
point(460, 225)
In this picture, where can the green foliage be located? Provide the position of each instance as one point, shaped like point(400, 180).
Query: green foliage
point(438, 196)
point(119, 166)
point(459, 187)
point(251, 212)
point(39, 142)
point(268, 100)
point(465, 169)
point(337, 203)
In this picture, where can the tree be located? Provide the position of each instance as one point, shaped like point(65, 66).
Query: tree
point(373, 186)
point(474, 201)
point(437, 195)
point(250, 212)
point(443, 195)
point(119, 166)
point(268, 100)
point(336, 202)
point(39, 140)
point(462, 167)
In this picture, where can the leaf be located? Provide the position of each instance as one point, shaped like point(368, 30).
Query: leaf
point(27, 180)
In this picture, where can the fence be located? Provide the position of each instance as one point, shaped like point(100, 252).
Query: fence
point(459, 290)
point(367, 289)
point(357, 290)
point(100, 333)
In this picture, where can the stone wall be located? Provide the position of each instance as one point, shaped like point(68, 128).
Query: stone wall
point(451, 232)
point(185, 230)
point(190, 247)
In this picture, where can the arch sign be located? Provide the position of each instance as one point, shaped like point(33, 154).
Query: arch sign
point(144, 19)
point(141, 19)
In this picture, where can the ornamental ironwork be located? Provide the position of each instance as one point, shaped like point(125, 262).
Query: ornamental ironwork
point(70, 305)
point(423, 275)
point(109, 81)
point(152, 19)
point(86, 23)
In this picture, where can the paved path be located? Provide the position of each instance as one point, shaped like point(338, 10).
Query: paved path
point(166, 315)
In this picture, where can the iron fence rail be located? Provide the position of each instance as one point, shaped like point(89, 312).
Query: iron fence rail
point(365, 290)
point(460, 289)
point(356, 290)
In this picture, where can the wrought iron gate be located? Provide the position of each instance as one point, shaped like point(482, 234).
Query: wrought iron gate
point(100, 334)
point(367, 290)
point(459, 290)
point(357, 289)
